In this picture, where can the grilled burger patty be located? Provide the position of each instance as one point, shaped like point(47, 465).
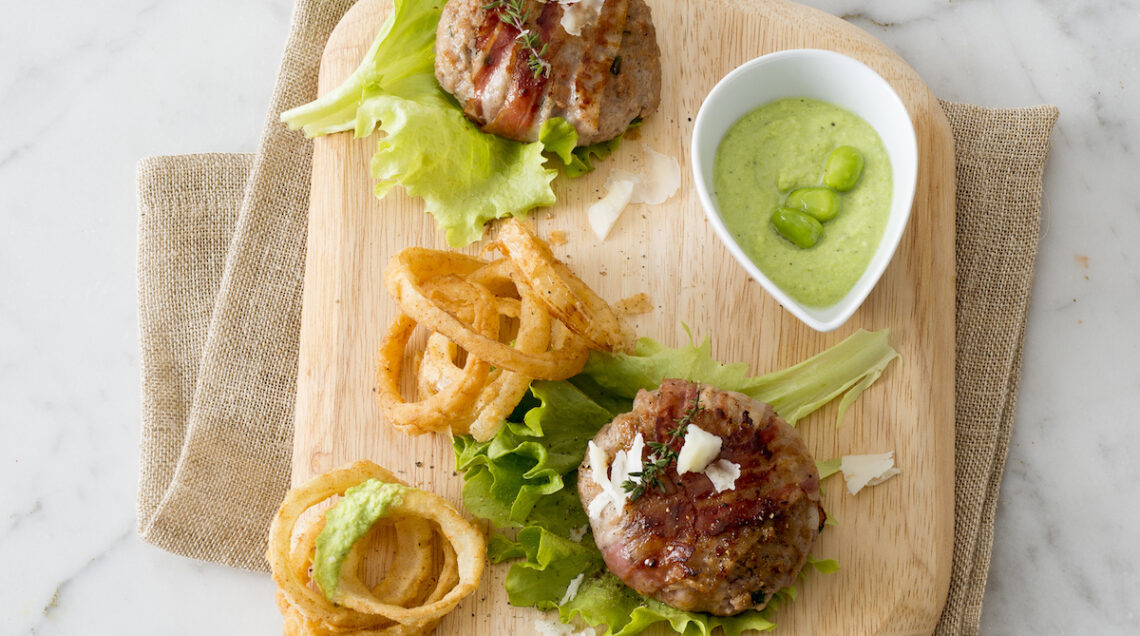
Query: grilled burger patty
point(689, 546)
point(599, 81)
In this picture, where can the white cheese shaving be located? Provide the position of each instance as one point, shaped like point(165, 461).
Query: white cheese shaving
point(635, 451)
point(597, 505)
point(662, 178)
point(571, 590)
point(579, 13)
point(860, 471)
point(544, 627)
point(619, 190)
point(700, 448)
point(599, 470)
point(576, 534)
point(723, 474)
point(660, 182)
point(624, 463)
point(618, 472)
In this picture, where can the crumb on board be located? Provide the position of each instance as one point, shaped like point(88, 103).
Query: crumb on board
point(635, 305)
point(558, 237)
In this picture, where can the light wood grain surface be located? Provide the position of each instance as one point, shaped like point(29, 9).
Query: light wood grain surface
point(894, 541)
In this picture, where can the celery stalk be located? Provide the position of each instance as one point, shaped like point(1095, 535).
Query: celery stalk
point(846, 369)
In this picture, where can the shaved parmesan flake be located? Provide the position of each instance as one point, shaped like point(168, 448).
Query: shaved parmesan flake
point(860, 471)
point(572, 589)
point(624, 463)
point(633, 464)
point(700, 448)
point(599, 471)
point(579, 13)
point(544, 627)
point(661, 180)
point(723, 474)
point(597, 505)
point(577, 533)
point(619, 191)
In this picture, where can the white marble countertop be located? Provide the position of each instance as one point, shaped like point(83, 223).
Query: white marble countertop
point(86, 89)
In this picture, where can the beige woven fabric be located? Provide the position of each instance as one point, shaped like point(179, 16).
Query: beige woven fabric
point(1001, 156)
point(232, 464)
point(221, 256)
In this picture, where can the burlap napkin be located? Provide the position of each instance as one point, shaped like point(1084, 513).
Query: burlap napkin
point(221, 257)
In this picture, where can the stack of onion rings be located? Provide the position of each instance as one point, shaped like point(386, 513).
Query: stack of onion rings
point(462, 300)
point(439, 560)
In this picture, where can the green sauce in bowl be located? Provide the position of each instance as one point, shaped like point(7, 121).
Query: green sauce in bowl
point(784, 145)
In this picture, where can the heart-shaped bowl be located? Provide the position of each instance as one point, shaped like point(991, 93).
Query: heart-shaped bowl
point(830, 77)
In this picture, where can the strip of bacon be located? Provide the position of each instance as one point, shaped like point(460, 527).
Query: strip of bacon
point(495, 42)
point(527, 88)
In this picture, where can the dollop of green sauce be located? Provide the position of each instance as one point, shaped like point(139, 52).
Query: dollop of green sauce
point(346, 523)
point(784, 145)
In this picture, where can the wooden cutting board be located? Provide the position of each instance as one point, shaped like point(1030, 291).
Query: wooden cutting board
point(894, 542)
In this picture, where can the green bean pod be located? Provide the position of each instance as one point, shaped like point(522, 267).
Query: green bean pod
point(843, 169)
point(821, 203)
point(798, 227)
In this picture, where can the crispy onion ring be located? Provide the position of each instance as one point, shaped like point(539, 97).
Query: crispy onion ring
point(469, 549)
point(443, 410)
point(564, 294)
point(307, 611)
point(405, 578)
point(504, 389)
point(405, 277)
point(409, 573)
point(437, 367)
point(462, 300)
point(301, 557)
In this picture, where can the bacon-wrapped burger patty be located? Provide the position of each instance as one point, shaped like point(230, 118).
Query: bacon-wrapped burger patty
point(684, 542)
point(509, 80)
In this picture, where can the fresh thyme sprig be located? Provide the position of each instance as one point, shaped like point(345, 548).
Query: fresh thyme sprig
point(514, 13)
point(514, 10)
point(663, 454)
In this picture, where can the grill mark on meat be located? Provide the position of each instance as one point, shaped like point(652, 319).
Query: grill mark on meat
point(697, 549)
point(603, 40)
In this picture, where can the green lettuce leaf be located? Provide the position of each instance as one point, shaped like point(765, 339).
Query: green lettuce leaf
point(466, 177)
point(585, 156)
point(526, 474)
point(561, 139)
point(399, 63)
point(823, 566)
point(845, 369)
point(548, 564)
point(651, 362)
point(604, 599)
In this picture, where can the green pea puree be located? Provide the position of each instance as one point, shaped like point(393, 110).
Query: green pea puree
point(784, 145)
point(345, 524)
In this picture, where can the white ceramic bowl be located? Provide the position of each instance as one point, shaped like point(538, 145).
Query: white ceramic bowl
point(830, 77)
